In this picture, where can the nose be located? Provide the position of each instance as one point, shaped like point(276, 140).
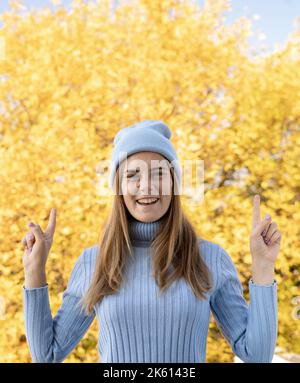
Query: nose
point(147, 186)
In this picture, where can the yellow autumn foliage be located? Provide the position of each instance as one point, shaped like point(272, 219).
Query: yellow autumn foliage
point(69, 80)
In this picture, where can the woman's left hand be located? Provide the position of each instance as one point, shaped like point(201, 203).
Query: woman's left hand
point(264, 241)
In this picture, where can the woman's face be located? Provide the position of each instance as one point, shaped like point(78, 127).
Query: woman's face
point(146, 178)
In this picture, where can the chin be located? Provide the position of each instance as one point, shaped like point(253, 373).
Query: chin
point(148, 217)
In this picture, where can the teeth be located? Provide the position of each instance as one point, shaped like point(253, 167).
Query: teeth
point(147, 200)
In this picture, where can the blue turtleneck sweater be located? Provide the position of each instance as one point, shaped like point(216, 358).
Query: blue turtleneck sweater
point(137, 325)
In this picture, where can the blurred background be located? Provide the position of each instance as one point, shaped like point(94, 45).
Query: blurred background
point(224, 75)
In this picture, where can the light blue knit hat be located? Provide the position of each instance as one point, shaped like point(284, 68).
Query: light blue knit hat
point(147, 135)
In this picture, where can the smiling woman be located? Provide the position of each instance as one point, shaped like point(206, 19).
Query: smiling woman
point(151, 281)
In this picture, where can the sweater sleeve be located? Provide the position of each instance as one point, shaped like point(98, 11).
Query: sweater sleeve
point(51, 340)
point(251, 330)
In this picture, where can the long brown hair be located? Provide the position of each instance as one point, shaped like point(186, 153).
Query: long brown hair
point(175, 246)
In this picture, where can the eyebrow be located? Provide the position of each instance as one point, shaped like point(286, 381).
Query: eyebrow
point(134, 170)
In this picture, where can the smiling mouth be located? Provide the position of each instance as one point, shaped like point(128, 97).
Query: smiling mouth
point(144, 202)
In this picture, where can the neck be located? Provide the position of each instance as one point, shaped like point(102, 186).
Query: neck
point(142, 233)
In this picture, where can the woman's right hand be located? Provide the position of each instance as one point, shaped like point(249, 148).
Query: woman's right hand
point(37, 245)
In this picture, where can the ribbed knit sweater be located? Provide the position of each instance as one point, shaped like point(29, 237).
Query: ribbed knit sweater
point(137, 325)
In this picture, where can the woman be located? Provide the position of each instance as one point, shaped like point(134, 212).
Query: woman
point(151, 281)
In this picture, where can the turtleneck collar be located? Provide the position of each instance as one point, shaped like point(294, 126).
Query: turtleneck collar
point(142, 233)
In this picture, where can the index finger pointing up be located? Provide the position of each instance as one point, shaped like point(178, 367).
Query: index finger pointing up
point(52, 222)
point(256, 211)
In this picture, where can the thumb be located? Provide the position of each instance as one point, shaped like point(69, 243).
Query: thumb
point(37, 231)
point(261, 226)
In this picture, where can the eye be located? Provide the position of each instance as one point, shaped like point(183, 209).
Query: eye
point(159, 173)
point(132, 177)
